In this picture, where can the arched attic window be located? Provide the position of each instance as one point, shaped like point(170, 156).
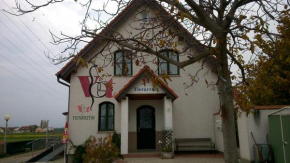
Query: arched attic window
point(123, 62)
point(165, 67)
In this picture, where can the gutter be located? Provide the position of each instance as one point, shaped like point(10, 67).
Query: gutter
point(62, 82)
point(65, 84)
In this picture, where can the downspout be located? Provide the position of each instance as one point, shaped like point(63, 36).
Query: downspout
point(58, 80)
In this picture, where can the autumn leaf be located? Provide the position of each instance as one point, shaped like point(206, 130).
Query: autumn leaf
point(252, 47)
point(166, 76)
point(172, 9)
point(161, 42)
point(241, 17)
point(182, 17)
point(245, 37)
point(170, 32)
point(137, 62)
point(100, 69)
point(82, 62)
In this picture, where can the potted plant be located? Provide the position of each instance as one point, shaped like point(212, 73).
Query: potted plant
point(166, 152)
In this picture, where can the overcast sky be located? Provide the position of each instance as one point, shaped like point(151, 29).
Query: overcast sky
point(29, 91)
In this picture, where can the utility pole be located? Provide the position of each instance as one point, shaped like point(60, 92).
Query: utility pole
point(46, 125)
point(6, 117)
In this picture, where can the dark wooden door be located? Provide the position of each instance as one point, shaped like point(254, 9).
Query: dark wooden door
point(146, 127)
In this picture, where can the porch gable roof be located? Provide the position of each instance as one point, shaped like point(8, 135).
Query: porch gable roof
point(145, 72)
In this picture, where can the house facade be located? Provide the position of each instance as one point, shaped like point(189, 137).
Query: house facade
point(142, 102)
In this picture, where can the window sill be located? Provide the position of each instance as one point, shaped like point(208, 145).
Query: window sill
point(100, 132)
point(171, 75)
point(123, 76)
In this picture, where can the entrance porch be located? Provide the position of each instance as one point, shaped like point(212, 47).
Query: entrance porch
point(146, 110)
point(142, 123)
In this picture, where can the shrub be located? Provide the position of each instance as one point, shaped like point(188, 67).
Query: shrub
point(101, 150)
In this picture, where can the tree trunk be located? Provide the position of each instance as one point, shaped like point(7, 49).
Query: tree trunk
point(227, 105)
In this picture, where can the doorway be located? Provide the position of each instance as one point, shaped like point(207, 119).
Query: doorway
point(146, 127)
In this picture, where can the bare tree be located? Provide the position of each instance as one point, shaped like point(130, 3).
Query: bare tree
point(218, 31)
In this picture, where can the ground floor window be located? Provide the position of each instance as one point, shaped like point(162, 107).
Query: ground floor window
point(106, 116)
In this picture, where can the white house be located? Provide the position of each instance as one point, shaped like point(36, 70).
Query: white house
point(134, 107)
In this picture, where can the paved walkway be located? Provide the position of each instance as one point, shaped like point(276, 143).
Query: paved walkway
point(175, 160)
point(178, 159)
point(19, 157)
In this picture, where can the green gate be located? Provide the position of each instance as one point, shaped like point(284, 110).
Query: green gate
point(279, 134)
point(286, 136)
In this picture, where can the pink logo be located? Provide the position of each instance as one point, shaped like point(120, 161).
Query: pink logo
point(83, 109)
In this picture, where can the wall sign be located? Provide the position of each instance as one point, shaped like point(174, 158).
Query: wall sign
point(138, 89)
point(82, 109)
point(142, 87)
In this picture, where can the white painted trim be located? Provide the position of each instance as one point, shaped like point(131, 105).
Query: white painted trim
point(125, 125)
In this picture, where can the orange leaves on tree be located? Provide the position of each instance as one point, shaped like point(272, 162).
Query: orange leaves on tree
point(100, 69)
point(164, 77)
point(137, 62)
point(161, 43)
point(82, 62)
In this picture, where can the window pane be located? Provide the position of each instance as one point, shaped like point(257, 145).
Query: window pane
point(162, 68)
point(103, 110)
point(173, 70)
point(144, 16)
point(118, 63)
point(129, 68)
point(146, 119)
point(118, 68)
point(119, 56)
point(127, 57)
point(103, 123)
point(173, 56)
point(111, 110)
point(111, 123)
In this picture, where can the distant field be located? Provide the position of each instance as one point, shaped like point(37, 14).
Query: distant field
point(14, 137)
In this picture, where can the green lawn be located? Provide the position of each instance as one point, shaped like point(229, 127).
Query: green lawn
point(14, 137)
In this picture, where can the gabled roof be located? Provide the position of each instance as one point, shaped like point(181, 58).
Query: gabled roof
point(71, 65)
point(145, 72)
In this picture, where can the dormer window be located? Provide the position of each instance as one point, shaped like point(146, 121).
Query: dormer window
point(123, 63)
point(144, 16)
point(165, 67)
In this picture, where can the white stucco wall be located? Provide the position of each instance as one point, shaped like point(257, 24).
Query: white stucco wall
point(256, 123)
point(219, 141)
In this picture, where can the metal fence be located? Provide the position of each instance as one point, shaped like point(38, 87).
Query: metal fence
point(2, 149)
point(40, 144)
